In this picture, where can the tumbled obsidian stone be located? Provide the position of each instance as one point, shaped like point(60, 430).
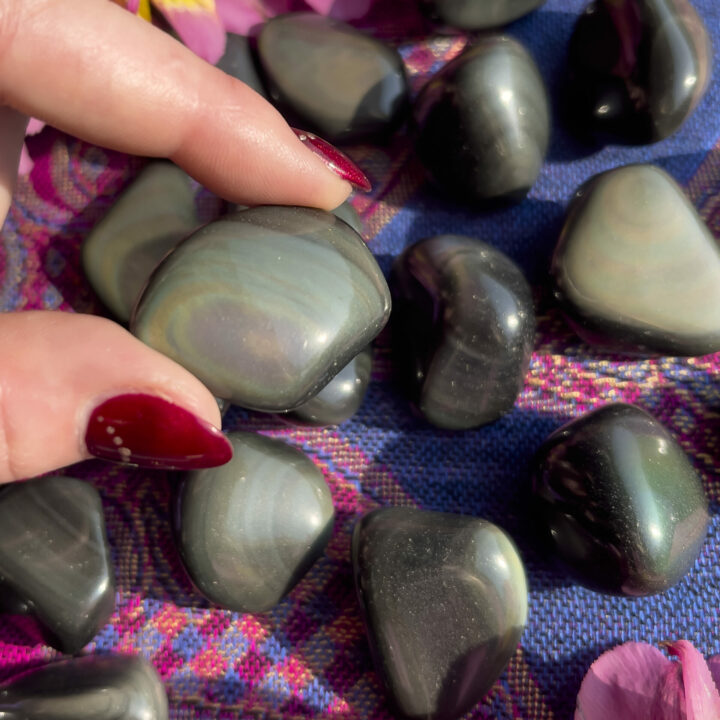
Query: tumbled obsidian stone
point(638, 68)
point(479, 14)
point(618, 502)
point(444, 600)
point(483, 122)
point(341, 397)
point(636, 270)
point(463, 329)
point(249, 530)
point(331, 79)
point(54, 558)
point(88, 688)
point(149, 219)
point(238, 61)
point(349, 214)
point(265, 306)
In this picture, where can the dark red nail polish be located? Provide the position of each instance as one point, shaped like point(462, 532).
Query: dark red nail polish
point(336, 160)
point(149, 431)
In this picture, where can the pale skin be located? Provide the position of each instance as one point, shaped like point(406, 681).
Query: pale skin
point(94, 70)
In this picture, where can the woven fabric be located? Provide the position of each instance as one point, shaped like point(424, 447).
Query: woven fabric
point(309, 658)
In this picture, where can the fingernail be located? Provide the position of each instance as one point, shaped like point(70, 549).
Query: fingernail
point(146, 430)
point(336, 160)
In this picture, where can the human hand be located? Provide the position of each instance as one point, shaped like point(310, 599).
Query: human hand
point(96, 71)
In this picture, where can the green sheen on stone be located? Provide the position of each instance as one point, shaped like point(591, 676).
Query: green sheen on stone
point(619, 503)
point(149, 219)
point(265, 306)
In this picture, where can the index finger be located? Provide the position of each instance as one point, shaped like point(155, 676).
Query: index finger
point(97, 71)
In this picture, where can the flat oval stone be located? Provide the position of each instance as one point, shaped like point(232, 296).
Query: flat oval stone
point(463, 329)
point(619, 503)
point(340, 399)
point(238, 61)
point(149, 219)
point(266, 306)
point(249, 530)
point(638, 69)
point(332, 79)
point(349, 214)
point(636, 270)
point(444, 600)
point(111, 687)
point(55, 559)
point(479, 14)
point(478, 138)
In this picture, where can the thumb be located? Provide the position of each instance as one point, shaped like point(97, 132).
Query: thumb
point(76, 386)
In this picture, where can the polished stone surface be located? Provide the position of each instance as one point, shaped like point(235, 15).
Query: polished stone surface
point(238, 61)
point(636, 270)
point(55, 559)
point(350, 215)
point(267, 305)
point(340, 399)
point(463, 329)
point(150, 218)
point(95, 687)
point(444, 600)
point(481, 139)
point(479, 14)
point(331, 79)
point(249, 530)
point(637, 69)
point(618, 502)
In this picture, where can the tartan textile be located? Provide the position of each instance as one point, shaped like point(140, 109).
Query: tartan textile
point(308, 658)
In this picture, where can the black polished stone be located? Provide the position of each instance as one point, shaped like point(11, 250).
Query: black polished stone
point(54, 557)
point(618, 502)
point(483, 123)
point(479, 14)
point(444, 600)
point(96, 687)
point(340, 399)
point(249, 530)
point(265, 306)
point(636, 269)
point(331, 79)
point(463, 329)
point(637, 69)
point(238, 61)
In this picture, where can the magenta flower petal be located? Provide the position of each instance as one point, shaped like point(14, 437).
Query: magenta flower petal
point(702, 701)
point(26, 162)
point(341, 9)
point(240, 16)
point(199, 29)
point(714, 665)
point(34, 126)
point(622, 684)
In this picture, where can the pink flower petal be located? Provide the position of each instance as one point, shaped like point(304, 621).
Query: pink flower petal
point(133, 6)
point(26, 162)
point(701, 696)
point(622, 684)
point(341, 9)
point(238, 16)
point(200, 29)
point(34, 126)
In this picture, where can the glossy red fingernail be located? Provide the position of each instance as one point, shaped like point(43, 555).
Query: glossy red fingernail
point(336, 160)
point(149, 431)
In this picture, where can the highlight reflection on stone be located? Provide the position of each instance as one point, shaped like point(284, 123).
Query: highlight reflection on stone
point(266, 306)
point(479, 14)
point(332, 79)
point(463, 329)
point(94, 687)
point(249, 530)
point(619, 503)
point(636, 269)
point(54, 558)
point(638, 68)
point(484, 122)
point(444, 600)
point(149, 219)
point(340, 399)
